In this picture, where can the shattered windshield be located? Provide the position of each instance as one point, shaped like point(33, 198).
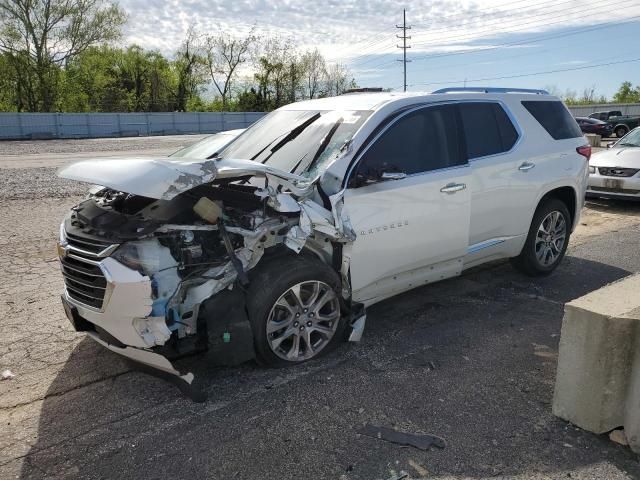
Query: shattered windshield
point(208, 146)
point(300, 142)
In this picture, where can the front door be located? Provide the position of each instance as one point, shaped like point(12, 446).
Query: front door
point(409, 202)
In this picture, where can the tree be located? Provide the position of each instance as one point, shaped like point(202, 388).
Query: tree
point(315, 70)
point(42, 35)
point(224, 54)
point(627, 94)
point(189, 66)
point(339, 80)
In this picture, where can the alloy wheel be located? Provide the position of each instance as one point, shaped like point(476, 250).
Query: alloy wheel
point(303, 321)
point(550, 238)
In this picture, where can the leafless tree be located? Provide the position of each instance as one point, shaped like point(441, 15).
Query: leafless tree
point(224, 54)
point(338, 79)
point(315, 69)
point(189, 65)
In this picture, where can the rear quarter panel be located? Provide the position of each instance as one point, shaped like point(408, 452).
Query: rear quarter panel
point(557, 164)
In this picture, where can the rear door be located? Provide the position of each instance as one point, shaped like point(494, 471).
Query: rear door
point(408, 201)
point(490, 137)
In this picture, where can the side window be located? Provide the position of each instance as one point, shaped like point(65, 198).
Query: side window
point(554, 117)
point(487, 129)
point(421, 141)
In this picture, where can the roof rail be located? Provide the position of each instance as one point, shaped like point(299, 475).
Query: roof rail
point(491, 90)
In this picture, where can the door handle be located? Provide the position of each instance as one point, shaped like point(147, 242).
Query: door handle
point(453, 187)
point(526, 166)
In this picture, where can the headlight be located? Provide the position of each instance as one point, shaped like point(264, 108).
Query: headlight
point(144, 256)
point(592, 169)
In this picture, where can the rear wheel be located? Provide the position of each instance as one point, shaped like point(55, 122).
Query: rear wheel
point(621, 132)
point(295, 311)
point(547, 239)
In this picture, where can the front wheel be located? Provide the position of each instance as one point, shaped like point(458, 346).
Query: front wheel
point(547, 239)
point(295, 311)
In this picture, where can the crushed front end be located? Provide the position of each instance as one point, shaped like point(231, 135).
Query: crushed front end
point(155, 279)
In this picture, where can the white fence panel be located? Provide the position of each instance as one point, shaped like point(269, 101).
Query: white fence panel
point(94, 125)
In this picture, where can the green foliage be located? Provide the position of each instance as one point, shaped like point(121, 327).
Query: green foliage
point(73, 67)
point(627, 93)
point(38, 37)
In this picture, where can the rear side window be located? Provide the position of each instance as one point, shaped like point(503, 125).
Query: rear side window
point(487, 129)
point(555, 118)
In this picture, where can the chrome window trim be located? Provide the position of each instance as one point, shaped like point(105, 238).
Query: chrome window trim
point(421, 106)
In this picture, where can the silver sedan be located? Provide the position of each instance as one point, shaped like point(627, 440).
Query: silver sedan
point(615, 173)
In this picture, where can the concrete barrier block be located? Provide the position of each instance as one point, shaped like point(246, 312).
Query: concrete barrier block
point(597, 385)
point(593, 139)
point(632, 410)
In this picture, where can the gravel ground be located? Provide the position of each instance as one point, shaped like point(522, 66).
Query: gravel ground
point(42, 182)
point(126, 145)
point(471, 359)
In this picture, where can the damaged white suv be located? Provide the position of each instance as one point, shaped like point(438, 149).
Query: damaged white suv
point(273, 245)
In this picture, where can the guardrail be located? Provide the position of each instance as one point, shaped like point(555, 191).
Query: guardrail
point(20, 126)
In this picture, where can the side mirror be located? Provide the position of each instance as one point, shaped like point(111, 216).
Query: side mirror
point(610, 144)
point(369, 176)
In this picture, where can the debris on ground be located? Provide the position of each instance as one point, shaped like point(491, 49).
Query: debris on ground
point(421, 441)
point(7, 375)
point(399, 477)
point(618, 436)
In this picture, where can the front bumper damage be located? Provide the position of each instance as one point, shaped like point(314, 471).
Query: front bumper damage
point(155, 314)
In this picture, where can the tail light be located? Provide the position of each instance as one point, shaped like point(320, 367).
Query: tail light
point(585, 151)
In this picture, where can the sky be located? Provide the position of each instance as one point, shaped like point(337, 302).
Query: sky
point(562, 45)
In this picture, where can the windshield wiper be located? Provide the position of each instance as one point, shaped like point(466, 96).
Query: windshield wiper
point(629, 145)
point(292, 135)
point(323, 145)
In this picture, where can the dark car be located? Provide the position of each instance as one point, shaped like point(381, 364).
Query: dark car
point(592, 125)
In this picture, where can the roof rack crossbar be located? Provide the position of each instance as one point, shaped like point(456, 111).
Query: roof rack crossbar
point(491, 90)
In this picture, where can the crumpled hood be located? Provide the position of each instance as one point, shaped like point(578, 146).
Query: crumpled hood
point(623, 157)
point(165, 178)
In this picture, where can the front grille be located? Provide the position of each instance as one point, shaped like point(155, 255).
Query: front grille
point(89, 247)
point(83, 278)
point(85, 282)
point(617, 172)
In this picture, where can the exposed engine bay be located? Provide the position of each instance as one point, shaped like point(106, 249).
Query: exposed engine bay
point(194, 253)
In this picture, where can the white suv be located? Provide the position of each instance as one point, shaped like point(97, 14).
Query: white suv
point(273, 245)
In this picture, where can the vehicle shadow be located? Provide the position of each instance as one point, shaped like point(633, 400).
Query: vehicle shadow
point(605, 205)
point(410, 372)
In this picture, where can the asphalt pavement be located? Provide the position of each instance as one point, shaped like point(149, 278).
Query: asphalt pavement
point(471, 360)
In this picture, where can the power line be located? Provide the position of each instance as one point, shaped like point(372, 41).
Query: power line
point(491, 30)
point(522, 42)
point(505, 77)
point(474, 50)
point(368, 60)
point(404, 46)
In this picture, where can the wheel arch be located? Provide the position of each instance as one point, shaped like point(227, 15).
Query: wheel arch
point(565, 194)
point(623, 126)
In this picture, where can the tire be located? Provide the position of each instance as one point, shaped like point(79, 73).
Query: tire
point(530, 261)
point(280, 318)
point(621, 132)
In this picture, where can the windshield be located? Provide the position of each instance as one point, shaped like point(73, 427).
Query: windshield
point(632, 139)
point(208, 146)
point(300, 142)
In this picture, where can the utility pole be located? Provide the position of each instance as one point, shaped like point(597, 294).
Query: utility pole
point(404, 45)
